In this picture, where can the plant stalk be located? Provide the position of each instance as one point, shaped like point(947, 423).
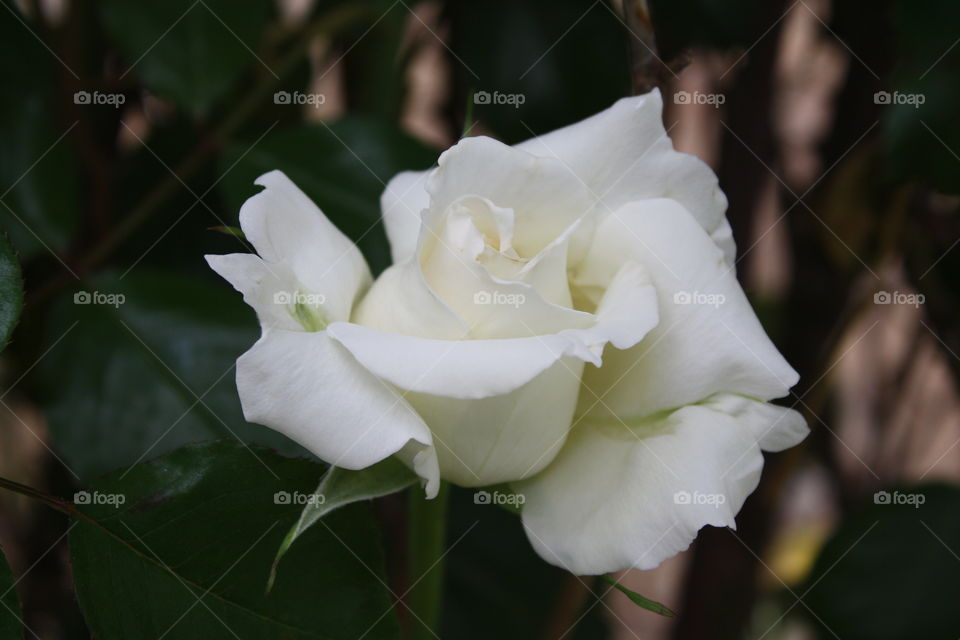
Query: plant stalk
point(426, 537)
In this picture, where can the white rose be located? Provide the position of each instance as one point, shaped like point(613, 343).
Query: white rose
point(562, 315)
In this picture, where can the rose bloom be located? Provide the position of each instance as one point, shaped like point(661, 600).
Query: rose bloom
point(562, 316)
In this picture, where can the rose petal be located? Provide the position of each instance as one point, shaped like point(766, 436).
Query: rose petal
point(505, 437)
point(619, 497)
point(471, 369)
point(624, 154)
point(286, 227)
point(708, 340)
point(402, 203)
point(491, 307)
point(259, 283)
point(308, 387)
point(541, 191)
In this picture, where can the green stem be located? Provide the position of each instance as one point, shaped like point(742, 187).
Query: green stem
point(51, 501)
point(426, 537)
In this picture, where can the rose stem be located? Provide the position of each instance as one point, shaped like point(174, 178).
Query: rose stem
point(426, 535)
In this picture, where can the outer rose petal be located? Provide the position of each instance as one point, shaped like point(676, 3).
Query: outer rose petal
point(624, 154)
point(308, 387)
point(259, 282)
point(506, 437)
point(776, 428)
point(402, 202)
point(286, 227)
point(618, 497)
point(697, 349)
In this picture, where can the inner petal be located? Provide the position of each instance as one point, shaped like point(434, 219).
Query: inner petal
point(495, 223)
point(453, 252)
point(546, 198)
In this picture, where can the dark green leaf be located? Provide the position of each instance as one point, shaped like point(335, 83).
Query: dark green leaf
point(486, 544)
point(549, 63)
point(180, 548)
point(343, 167)
point(38, 178)
point(889, 571)
point(11, 625)
point(720, 24)
point(374, 61)
point(924, 98)
point(147, 365)
point(340, 487)
point(11, 291)
point(639, 600)
point(187, 50)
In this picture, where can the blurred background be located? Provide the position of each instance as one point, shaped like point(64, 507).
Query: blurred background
point(130, 133)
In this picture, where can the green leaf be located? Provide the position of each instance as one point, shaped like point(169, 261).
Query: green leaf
point(374, 60)
point(340, 487)
point(180, 548)
point(922, 140)
point(11, 291)
point(639, 600)
point(564, 60)
point(492, 568)
point(719, 24)
point(145, 364)
point(889, 571)
point(187, 50)
point(38, 175)
point(11, 616)
point(343, 167)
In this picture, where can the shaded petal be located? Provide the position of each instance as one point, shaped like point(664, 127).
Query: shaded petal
point(545, 197)
point(624, 154)
point(472, 369)
point(505, 437)
point(423, 460)
point(402, 203)
point(619, 497)
point(775, 428)
point(460, 369)
point(722, 236)
point(491, 307)
point(402, 302)
point(308, 387)
point(259, 283)
point(286, 227)
point(708, 340)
